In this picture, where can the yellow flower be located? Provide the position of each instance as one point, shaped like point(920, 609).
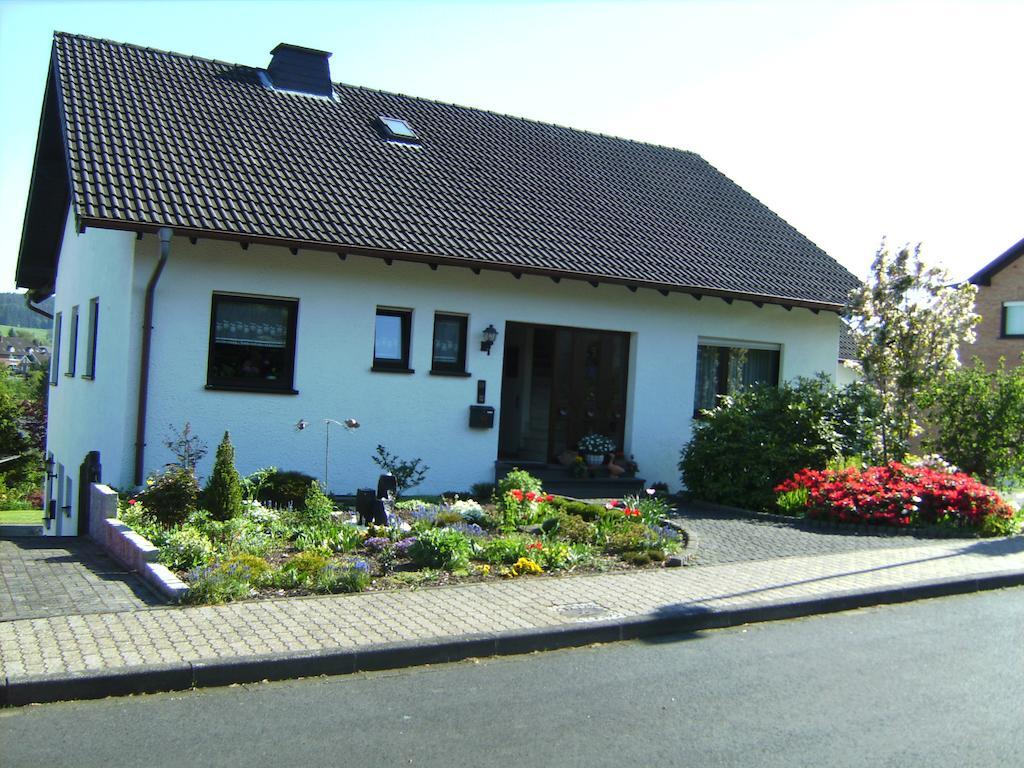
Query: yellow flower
point(525, 565)
point(485, 570)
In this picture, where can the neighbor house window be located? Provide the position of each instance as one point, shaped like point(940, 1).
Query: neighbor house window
point(73, 343)
point(1013, 318)
point(449, 356)
point(55, 358)
point(90, 345)
point(725, 369)
point(252, 343)
point(391, 335)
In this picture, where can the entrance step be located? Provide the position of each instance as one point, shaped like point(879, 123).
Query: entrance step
point(556, 480)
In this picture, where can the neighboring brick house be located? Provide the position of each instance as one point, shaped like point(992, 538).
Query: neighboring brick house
point(1000, 303)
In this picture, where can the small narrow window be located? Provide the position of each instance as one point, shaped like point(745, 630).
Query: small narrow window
point(72, 343)
point(397, 130)
point(252, 344)
point(1013, 319)
point(391, 334)
point(92, 331)
point(725, 370)
point(55, 359)
point(449, 356)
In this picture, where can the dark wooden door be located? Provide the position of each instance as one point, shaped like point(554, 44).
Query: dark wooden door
point(89, 472)
point(588, 388)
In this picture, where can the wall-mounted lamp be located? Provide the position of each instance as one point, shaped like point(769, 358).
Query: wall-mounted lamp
point(490, 333)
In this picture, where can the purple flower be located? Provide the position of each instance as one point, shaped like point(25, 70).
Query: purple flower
point(425, 513)
point(469, 529)
point(376, 543)
point(361, 565)
point(403, 546)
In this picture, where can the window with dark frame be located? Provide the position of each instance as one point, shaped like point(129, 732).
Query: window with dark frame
point(72, 343)
point(449, 352)
point(252, 343)
point(90, 346)
point(1013, 320)
point(725, 370)
point(391, 335)
point(55, 359)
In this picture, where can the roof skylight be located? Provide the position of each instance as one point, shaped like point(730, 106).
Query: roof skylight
point(398, 129)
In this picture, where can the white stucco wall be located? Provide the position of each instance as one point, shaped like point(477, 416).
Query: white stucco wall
point(420, 415)
point(92, 415)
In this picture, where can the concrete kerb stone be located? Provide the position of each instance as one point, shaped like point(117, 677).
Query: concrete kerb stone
point(680, 619)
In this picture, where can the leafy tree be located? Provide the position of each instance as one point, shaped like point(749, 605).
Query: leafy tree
point(907, 322)
point(14, 444)
point(978, 420)
point(224, 492)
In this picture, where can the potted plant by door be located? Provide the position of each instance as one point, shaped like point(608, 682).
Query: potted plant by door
point(594, 447)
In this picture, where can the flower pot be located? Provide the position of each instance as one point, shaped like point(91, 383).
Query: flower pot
point(594, 459)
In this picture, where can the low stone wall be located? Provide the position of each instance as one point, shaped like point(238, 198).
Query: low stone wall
point(126, 546)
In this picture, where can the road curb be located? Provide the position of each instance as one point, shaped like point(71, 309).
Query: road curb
point(673, 619)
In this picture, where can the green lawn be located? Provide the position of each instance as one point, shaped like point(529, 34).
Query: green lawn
point(20, 516)
point(41, 335)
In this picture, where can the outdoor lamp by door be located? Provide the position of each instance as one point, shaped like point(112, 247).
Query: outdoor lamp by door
point(490, 333)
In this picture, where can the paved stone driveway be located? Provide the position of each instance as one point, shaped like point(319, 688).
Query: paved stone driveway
point(42, 577)
point(725, 537)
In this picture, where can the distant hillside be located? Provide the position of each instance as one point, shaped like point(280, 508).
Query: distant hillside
point(14, 312)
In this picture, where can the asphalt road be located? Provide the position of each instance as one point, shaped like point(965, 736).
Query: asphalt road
point(934, 683)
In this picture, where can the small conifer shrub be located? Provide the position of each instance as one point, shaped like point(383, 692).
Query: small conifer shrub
point(224, 492)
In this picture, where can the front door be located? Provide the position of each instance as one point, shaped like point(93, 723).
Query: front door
point(558, 385)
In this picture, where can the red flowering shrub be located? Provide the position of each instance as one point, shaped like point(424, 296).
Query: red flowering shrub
point(898, 495)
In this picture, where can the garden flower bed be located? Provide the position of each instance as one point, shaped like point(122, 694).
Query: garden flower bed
point(315, 548)
point(898, 495)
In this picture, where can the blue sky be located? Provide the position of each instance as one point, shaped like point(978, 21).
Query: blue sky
point(852, 120)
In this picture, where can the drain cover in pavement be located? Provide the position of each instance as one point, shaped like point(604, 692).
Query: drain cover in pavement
point(580, 610)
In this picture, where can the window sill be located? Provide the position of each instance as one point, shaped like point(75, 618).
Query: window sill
point(87, 377)
point(257, 390)
point(381, 369)
point(1011, 336)
point(456, 374)
point(70, 374)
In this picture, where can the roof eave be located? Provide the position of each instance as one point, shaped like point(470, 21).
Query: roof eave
point(698, 292)
point(984, 275)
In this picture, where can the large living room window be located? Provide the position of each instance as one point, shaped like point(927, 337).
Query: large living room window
point(1013, 319)
point(724, 368)
point(252, 343)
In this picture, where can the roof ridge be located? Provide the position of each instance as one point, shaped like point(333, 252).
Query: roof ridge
point(370, 89)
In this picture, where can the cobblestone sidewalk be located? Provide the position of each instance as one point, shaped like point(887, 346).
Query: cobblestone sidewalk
point(42, 577)
point(124, 641)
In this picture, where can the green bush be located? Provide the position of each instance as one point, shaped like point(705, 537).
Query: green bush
point(171, 496)
point(408, 473)
point(352, 577)
point(503, 551)
point(134, 514)
point(756, 439)
point(252, 568)
point(517, 478)
point(186, 548)
point(300, 570)
point(575, 529)
point(630, 537)
point(978, 421)
point(582, 509)
point(218, 585)
point(441, 548)
point(285, 489)
point(317, 506)
point(223, 496)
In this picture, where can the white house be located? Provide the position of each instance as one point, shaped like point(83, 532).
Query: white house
point(252, 250)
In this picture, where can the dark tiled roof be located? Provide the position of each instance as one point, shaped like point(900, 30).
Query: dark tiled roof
point(847, 346)
point(158, 138)
point(984, 275)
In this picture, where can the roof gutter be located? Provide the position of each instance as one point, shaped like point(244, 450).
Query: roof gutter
point(34, 308)
point(463, 262)
point(164, 233)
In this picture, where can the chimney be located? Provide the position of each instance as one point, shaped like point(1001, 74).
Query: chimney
point(304, 70)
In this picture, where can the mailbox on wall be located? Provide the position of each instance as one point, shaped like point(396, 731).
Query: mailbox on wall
point(481, 416)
